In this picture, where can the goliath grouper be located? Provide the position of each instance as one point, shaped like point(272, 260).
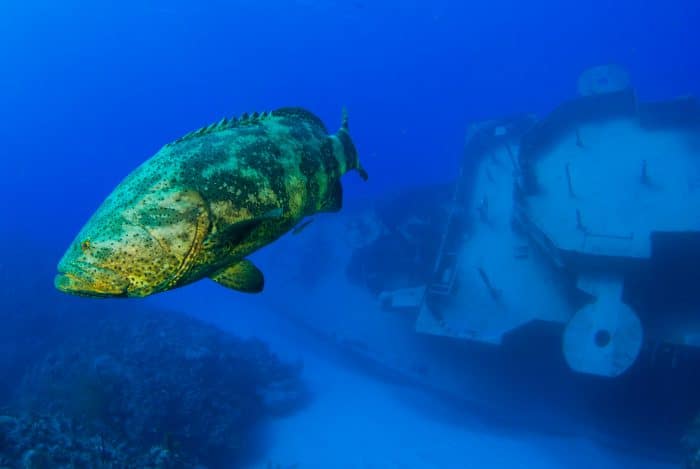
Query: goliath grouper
point(206, 201)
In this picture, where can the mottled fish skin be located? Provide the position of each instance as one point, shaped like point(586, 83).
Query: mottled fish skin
point(206, 201)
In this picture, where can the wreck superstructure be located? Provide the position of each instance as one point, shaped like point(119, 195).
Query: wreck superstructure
point(588, 218)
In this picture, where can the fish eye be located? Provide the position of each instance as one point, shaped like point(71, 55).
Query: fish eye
point(85, 245)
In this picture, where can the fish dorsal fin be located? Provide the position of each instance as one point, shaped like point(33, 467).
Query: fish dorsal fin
point(245, 119)
point(241, 276)
point(300, 113)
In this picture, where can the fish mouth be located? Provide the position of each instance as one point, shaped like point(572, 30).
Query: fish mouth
point(91, 282)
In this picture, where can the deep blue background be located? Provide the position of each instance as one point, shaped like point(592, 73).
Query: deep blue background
point(88, 90)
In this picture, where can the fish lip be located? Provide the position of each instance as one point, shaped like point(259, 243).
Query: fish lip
point(66, 283)
point(78, 282)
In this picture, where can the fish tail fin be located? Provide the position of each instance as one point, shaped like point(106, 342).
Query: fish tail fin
point(349, 150)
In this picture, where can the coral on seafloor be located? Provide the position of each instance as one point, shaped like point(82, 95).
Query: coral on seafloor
point(693, 460)
point(43, 442)
point(145, 389)
point(691, 442)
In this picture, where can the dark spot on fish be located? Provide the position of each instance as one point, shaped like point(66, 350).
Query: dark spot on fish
point(300, 132)
point(267, 158)
point(310, 167)
point(330, 164)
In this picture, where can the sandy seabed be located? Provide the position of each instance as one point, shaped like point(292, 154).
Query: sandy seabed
point(357, 421)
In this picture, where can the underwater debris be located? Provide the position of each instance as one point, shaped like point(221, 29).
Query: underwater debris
point(579, 222)
point(397, 242)
point(568, 180)
point(644, 177)
point(493, 291)
point(603, 79)
point(483, 210)
point(511, 156)
point(521, 252)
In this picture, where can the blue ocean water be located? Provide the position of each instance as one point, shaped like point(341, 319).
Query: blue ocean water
point(90, 90)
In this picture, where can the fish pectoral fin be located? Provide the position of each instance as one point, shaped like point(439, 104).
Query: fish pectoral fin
point(242, 276)
point(301, 226)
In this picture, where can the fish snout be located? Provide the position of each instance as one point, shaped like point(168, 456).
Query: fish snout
point(90, 281)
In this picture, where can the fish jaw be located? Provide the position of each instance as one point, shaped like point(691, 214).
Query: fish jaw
point(90, 281)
